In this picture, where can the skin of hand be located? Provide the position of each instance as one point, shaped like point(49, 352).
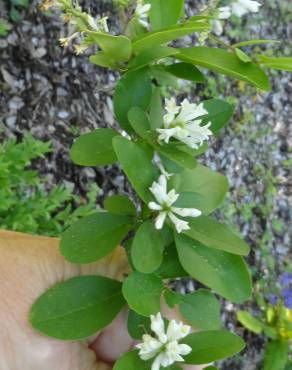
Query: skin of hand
point(29, 265)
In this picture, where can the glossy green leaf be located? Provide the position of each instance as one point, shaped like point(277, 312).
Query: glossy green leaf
point(254, 42)
point(103, 59)
point(171, 267)
point(170, 166)
point(118, 48)
point(250, 322)
point(138, 325)
point(142, 292)
point(120, 204)
point(93, 237)
point(242, 55)
point(176, 155)
point(172, 298)
point(156, 110)
point(223, 272)
point(276, 355)
point(139, 121)
point(212, 233)
point(133, 90)
point(77, 308)
point(155, 38)
point(212, 345)
point(201, 309)
point(283, 64)
point(138, 168)
point(94, 148)
point(165, 13)
point(162, 77)
point(225, 62)
point(132, 361)
point(211, 368)
point(186, 71)
point(211, 185)
point(219, 113)
point(151, 55)
point(192, 200)
point(147, 248)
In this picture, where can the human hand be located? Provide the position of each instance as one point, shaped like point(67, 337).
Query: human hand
point(29, 265)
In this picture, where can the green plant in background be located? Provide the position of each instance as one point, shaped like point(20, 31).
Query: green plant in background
point(275, 323)
point(16, 6)
point(25, 204)
point(4, 27)
point(169, 232)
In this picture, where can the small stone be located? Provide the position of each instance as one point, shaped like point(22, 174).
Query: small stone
point(63, 114)
point(15, 103)
point(11, 121)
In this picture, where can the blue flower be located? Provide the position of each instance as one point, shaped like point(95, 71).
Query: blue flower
point(287, 297)
point(286, 279)
point(273, 299)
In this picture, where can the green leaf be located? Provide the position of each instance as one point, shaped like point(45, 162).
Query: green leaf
point(139, 121)
point(140, 171)
point(192, 200)
point(118, 48)
point(213, 234)
point(211, 185)
point(242, 55)
point(176, 155)
point(120, 204)
point(138, 325)
point(222, 61)
point(254, 42)
point(223, 272)
point(185, 71)
point(165, 13)
point(77, 308)
point(171, 267)
point(155, 38)
point(172, 298)
point(162, 77)
point(132, 361)
point(103, 59)
point(276, 355)
point(142, 292)
point(212, 345)
point(283, 64)
point(250, 322)
point(93, 237)
point(156, 110)
point(147, 248)
point(94, 148)
point(211, 368)
point(201, 309)
point(151, 55)
point(133, 90)
point(219, 113)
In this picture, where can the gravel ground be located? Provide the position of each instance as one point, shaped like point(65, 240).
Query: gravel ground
point(56, 95)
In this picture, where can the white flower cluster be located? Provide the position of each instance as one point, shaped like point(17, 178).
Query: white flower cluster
point(164, 205)
point(165, 348)
point(141, 12)
point(238, 8)
point(182, 123)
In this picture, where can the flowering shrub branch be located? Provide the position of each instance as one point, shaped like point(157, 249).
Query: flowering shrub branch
point(169, 234)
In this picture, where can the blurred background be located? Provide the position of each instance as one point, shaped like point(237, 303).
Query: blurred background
point(49, 96)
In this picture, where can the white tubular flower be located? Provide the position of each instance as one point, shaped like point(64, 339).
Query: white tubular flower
point(181, 123)
point(166, 348)
point(164, 205)
point(224, 12)
point(242, 7)
point(141, 12)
